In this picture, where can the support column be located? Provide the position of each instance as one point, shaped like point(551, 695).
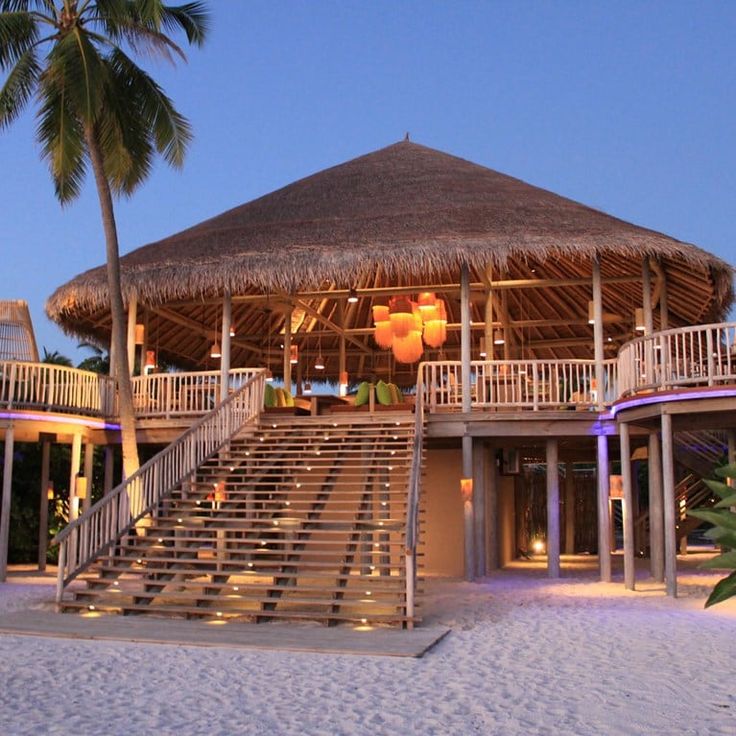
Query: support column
point(465, 340)
point(76, 459)
point(43, 509)
point(5, 506)
point(598, 335)
point(468, 522)
point(629, 557)
point(479, 506)
point(656, 509)
point(569, 509)
point(668, 487)
point(287, 350)
point(731, 446)
point(646, 288)
point(227, 319)
point(488, 317)
point(109, 480)
point(132, 318)
point(492, 556)
point(604, 518)
point(89, 458)
point(664, 312)
point(553, 510)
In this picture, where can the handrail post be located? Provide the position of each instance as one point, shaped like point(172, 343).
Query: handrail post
point(710, 362)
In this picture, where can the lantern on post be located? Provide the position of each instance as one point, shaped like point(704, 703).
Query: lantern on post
point(466, 489)
point(80, 487)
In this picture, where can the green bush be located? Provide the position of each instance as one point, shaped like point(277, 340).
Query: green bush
point(723, 518)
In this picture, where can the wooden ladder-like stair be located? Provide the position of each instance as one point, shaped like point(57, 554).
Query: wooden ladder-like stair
point(311, 525)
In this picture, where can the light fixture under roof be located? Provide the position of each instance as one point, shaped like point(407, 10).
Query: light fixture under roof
point(352, 296)
point(498, 338)
point(319, 364)
point(639, 321)
point(216, 350)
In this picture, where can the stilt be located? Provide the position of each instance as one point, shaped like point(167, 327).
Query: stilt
point(468, 523)
point(604, 521)
point(5, 507)
point(668, 487)
point(43, 508)
point(569, 509)
point(89, 461)
point(656, 509)
point(479, 506)
point(76, 459)
point(553, 510)
point(629, 561)
point(492, 555)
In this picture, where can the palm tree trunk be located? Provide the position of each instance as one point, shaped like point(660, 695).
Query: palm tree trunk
point(126, 411)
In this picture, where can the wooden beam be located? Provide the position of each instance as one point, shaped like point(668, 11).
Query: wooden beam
point(332, 326)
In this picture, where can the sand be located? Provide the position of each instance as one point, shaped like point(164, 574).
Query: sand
point(525, 656)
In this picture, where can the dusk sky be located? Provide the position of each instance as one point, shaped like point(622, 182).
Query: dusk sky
point(627, 107)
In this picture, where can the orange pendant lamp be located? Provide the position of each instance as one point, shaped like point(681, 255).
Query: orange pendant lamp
point(409, 349)
point(435, 328)
point(401, 314)
point(382, 333)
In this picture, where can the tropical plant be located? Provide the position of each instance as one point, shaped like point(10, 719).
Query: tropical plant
point(98, 362)
point(723, 518)
point(97, 107)
point(54, 357)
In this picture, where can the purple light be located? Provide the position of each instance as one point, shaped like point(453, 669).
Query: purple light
point(90, 423)
point(686, 395)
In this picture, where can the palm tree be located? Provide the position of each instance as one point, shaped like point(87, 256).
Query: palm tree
point(98, 362)
point(56, 358)
point(96, 106)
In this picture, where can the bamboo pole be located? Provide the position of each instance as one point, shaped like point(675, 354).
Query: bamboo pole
point(492, 509)
point(479, 506)
point(465, 342)
point(598, 333)
point(132, 319)
point(76, 458)
point(227, 318)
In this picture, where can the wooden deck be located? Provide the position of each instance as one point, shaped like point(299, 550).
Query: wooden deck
point(360, 640)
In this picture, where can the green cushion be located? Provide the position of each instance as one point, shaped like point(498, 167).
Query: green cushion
point(363, 395)
point(288, 398)
point(269, 396)
point(396, 397)
point(383, 393)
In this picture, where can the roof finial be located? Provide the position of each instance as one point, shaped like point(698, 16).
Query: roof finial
point(406, 136)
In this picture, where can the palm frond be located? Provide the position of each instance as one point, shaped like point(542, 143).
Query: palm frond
point(18, 87)
point(61, 136)
point(191, 18)
point(18, 32)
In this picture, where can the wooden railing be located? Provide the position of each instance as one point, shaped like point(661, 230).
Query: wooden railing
point(704, 355)
point(52, 387)
point(99, 528)
point(165, 395)
point(519, 384)
point(413, 493)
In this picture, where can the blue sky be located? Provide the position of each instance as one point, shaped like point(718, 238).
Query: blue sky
point(624, 106)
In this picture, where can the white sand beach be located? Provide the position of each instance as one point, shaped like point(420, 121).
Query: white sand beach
point(525, 656)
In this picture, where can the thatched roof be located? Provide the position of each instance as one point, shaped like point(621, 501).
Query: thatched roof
point(400, 215)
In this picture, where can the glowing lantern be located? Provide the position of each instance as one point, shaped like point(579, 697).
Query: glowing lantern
point(466, 488)
point(294, 354)
point(140, 334)
point(401, 314)
point(435, 330)
point(408, 349)
point(380, 313)
point(150, 363)
point(383, 334)
point(426, 301)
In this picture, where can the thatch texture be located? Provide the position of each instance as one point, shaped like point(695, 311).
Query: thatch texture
point(402, 215)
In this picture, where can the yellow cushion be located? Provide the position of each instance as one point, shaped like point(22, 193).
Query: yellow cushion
point(363, 395)
point(396, 397)
point(288, 398)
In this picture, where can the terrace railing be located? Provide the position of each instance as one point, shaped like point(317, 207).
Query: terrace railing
point(50, 387)
point(704, 355)
point(117, 513)
point(166, 395)
point(519, 384)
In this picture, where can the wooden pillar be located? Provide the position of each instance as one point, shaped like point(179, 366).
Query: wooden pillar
point(468, 521)
point(629, 552)
point(5, 504)
point(488, 317)
point(656, 509)
point(646, 288)
point(598, 334)
point(492, 556)
point(731, 446)
point(132, 318)
point(604, 518)
point(668, 487)
point(76, 458)
point(43, 508)
point(227, 319)
point(664, 313)
point(287, 350)
point(109, 480)
point(479, 506)
point(553, 509)
point(465, 339)
point(569, 509)
point(89, 458)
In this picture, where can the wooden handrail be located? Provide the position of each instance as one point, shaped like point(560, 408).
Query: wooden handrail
point(701, 355)
point(413, 492)
point(50, 387)
point(82, 541)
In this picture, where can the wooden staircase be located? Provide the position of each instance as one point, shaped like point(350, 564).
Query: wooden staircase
point(299, 518)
